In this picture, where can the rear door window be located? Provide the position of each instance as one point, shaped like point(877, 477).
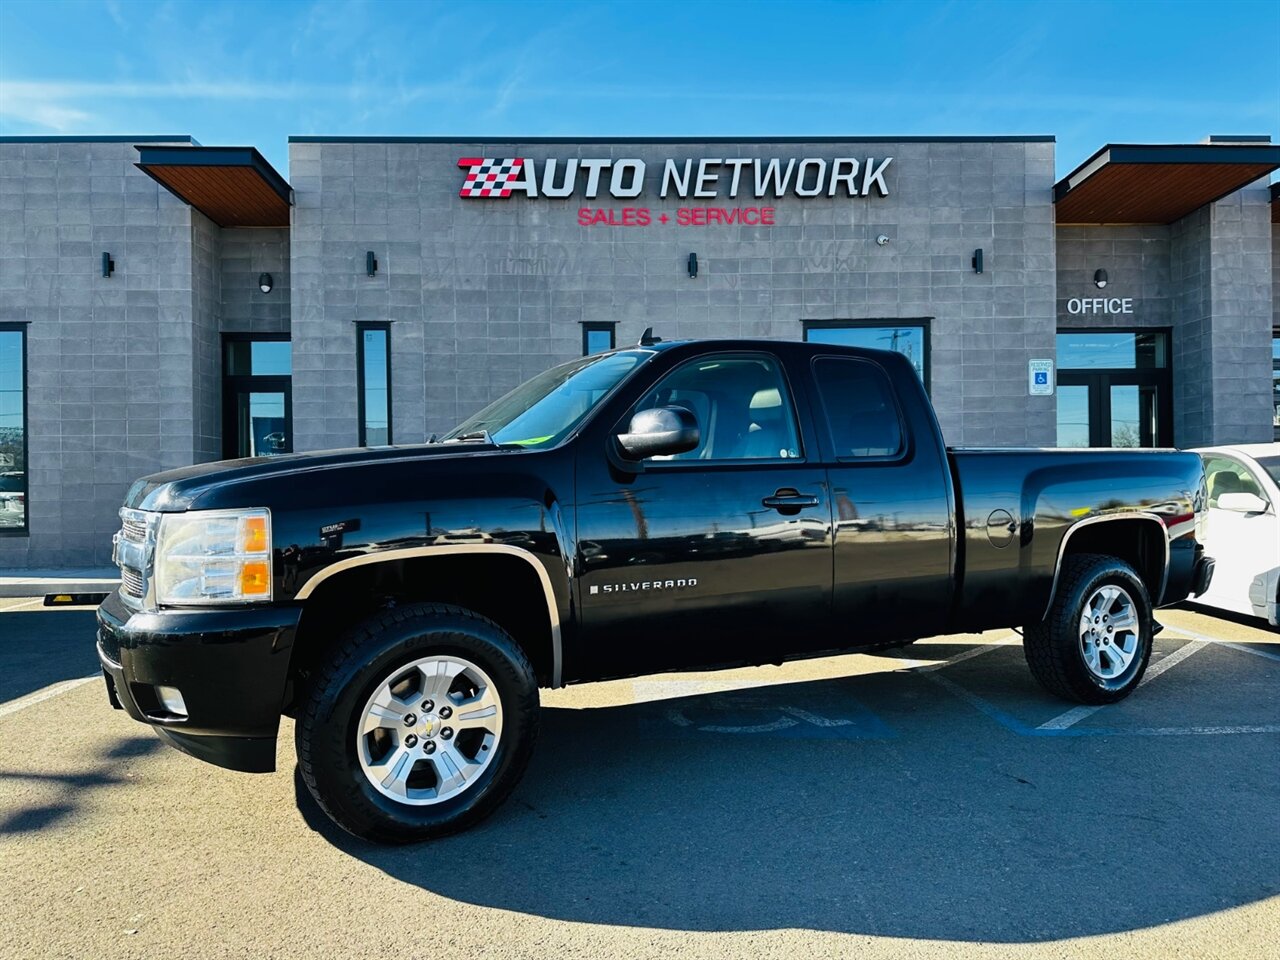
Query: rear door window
point(859, 407)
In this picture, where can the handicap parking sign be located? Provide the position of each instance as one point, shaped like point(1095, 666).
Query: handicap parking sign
point(1040, 378)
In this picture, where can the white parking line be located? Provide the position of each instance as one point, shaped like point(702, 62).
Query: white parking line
point(1196, 731)
point(48, 693)
point(1076, 714)
point(1242, 647)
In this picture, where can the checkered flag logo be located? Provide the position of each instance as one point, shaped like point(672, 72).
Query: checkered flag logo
point(487, 177)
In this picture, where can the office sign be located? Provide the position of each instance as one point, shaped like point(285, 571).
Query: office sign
point(1100, 305)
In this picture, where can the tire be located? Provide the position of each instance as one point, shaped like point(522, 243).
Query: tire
point(1068, 660)
point(417, 645)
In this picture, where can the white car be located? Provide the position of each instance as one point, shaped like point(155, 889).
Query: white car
point(1242, 528)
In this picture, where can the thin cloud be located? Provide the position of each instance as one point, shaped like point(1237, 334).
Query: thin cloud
point(114, 12)
point(51, 116)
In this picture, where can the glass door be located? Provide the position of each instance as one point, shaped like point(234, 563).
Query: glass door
point(257, 397)
point(261, 422)
point(1114, 389)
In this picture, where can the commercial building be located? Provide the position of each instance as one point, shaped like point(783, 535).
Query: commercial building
point(163, 303)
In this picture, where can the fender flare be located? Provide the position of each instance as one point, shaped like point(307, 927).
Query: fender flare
point(1103, 518)
point(445, 550)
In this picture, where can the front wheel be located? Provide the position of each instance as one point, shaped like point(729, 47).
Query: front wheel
point(420, 725)
point(1094, 644)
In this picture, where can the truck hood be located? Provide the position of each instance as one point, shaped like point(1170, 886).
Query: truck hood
point(176, 490)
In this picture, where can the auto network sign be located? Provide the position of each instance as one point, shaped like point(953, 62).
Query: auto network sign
point(703, 179)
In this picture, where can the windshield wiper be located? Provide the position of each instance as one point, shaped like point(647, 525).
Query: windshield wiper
point(475, 436)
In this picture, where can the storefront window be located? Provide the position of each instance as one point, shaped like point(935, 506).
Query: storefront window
point(259, 358)
point(13, 430)
point(909, 339)
point(374, 372)
point(598, 337)
point(1132, 350)
point(1275, 383)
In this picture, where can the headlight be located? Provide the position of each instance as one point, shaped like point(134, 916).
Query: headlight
point(213, 556)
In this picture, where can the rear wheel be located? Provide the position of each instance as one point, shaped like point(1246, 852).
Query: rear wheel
point(1094, 645)
point(420, 725)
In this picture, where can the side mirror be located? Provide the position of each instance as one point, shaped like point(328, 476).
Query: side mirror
point(1242, 503)
point(660, 432)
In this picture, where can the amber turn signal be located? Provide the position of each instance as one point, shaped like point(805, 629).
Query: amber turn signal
point(255, 578)
point(253, 534)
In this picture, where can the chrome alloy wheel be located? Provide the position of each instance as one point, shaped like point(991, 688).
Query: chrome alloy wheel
point(429, 730)
point(1109, 632)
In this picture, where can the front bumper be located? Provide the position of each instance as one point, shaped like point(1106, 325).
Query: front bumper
point(230, 664)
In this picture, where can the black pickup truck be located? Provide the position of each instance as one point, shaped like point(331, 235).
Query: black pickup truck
point(673, 506)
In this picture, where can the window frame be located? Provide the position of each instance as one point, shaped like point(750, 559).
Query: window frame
point(738, 463)
point(870, 323)
point(235, 383)
point(823, 422)
point(242, 336)
point(1166, 332)
point(1100, 380)
point(599, 326)
point(25, 529)
point(361, 412)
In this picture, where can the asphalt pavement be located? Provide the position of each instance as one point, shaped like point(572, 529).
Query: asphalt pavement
point(925, 803)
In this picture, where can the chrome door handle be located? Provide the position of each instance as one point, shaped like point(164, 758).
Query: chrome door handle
point(790, 500)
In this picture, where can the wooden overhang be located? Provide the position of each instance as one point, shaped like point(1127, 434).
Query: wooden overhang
point(232, 186)
point(1146, 183)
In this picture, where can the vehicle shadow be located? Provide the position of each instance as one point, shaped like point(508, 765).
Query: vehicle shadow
point(43, 647)
point(1257, 623)
point(936, 824)
point(71, 790)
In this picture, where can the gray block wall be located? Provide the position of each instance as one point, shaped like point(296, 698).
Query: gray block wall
point(124, 373)
point(1190, 252)
point(1240, 273)
point(1222, 296)
point(245, 254)
point(206, 364)
point(1137, 261)
point(485, 293)
point(109, 360)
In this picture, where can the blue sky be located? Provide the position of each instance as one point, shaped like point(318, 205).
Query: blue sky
point(231, 72)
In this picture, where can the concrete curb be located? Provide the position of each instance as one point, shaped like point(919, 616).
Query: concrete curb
point(38, 583)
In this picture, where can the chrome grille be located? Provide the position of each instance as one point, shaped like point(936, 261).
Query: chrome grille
point(134, 528)
point(131, 582)
point(131, 552)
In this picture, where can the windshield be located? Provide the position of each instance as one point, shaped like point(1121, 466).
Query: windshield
point(1272, 466)
point(540, 412)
